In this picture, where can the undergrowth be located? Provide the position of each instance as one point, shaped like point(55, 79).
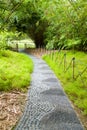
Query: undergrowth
point(75, 89)
point(15, 71)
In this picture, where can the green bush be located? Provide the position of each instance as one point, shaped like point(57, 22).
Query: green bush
point(6, 37)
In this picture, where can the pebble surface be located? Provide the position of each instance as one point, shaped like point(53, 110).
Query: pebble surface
point(47, 107)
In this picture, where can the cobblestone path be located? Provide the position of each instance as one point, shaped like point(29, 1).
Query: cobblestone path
point(47, 106)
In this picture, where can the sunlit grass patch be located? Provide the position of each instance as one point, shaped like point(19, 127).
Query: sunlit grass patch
point(15, 71)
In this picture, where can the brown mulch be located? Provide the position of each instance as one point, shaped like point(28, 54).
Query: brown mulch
point(11, 108)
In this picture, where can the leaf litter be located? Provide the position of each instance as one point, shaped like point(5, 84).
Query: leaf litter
point(12, 105)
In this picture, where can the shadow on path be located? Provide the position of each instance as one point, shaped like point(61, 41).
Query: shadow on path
point(48, 107)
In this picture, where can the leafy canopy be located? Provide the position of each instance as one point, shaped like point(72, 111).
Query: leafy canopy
point(61, 23)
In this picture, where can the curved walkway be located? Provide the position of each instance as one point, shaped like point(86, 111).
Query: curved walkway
point(47, 108)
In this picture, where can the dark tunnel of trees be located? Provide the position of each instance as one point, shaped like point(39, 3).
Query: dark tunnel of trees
point(53, 24)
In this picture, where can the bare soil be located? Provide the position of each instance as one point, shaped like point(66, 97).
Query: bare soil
point(11, 108)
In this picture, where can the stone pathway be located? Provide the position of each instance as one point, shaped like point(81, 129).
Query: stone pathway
point(47, 108)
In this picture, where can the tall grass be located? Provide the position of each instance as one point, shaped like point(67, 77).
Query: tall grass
point(15, 71)
point(75, 89)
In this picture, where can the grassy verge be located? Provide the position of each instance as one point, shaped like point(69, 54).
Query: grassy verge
point(75, 89)
point(15, 71)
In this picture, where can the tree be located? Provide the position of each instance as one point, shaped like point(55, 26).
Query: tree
point(61, 23)
point(26, 16)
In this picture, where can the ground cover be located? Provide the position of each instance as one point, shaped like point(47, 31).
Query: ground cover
point(15, 71)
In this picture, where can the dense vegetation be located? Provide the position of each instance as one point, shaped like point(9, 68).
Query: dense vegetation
point(15, 71)
point(56, 24)
point(75, 88)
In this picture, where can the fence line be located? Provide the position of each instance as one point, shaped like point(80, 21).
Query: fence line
point(81, 73)
point(51, 54)
point(68, 66)
point(62, 60)
point(72, 63)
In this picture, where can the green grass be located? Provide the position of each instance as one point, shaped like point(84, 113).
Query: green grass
point(15, 71)
point(75, 89)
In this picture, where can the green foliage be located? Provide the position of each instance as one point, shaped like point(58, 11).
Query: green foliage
point(75, 89)
point(31, 23)
point(6, 37)
point(70, 43)
point(57, 24)
point(15, 71)
point(68, 24)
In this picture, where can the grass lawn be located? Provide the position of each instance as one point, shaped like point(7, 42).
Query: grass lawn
point(15, 70)
point(76, 89)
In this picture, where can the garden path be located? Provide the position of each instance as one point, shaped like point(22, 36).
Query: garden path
point(47, 107)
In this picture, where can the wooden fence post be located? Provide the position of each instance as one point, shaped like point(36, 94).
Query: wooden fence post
point(73, 67)
point(64, 61)
point(17, 47)
point(25, 46)
point(52, 54)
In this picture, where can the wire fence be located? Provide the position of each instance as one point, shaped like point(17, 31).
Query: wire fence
point(16, 45)
point(77, 67)
point(71, 66)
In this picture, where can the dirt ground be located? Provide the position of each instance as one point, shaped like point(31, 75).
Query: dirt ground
point(82, 118)
point(11, 108)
